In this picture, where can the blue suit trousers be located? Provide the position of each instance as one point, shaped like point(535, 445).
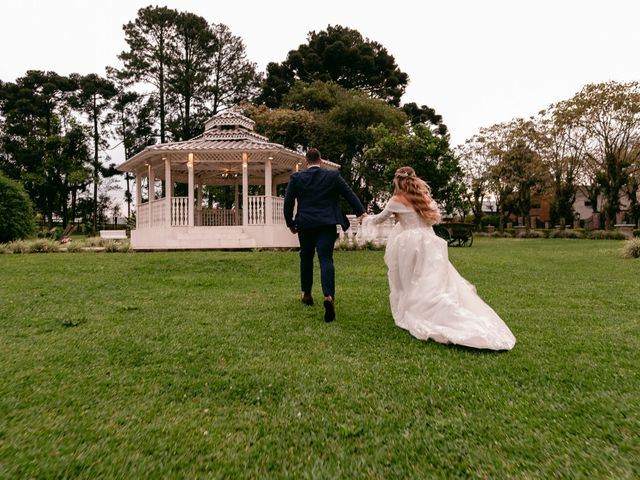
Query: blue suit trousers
point(321, 239)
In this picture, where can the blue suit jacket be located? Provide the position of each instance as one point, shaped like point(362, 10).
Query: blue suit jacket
point(317, 191)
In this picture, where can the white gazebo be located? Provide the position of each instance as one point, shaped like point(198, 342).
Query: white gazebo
point(228, 153)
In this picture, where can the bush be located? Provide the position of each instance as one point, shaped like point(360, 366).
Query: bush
point(74, 246)
point(19, 246)
point(631, 248)
point(607, 235)
point(55, 233)
point(505, 234)
point(116, 246)
point(490, 219)
point(345, 244)
point(534, 234)
point(16, 214)
point(43, 245)
point(636, 232)
point(565, 234)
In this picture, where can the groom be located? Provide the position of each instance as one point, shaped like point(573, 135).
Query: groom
point(317, 191)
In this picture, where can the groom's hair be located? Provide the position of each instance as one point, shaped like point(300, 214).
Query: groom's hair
point(313, 155)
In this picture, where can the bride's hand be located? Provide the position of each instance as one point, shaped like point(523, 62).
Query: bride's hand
point(362, 217)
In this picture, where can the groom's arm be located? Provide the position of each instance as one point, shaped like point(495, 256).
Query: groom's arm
point(289, 203)
point(349, 195)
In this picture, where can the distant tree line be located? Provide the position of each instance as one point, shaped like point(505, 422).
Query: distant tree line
point(590, 141)
point(339, 92)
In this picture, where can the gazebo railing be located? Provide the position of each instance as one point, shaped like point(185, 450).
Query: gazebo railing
point(217, 217)
point(256, 207)
point(154, 213)
point(179, 211)
point(277, 213)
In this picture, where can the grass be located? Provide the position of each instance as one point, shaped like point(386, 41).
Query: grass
point(206, 365)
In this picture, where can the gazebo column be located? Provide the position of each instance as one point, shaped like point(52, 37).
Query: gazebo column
point(199, 202)
point(236, 216)
point(268, 180)
point(138, 196)
point(151, 187)
point(168, 191)
point(245, 189)
point(191, 185)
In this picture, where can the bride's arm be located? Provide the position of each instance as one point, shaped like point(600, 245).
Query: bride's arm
point(370, 229)
point(382, 216)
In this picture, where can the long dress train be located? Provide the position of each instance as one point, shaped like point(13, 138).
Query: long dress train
point(428, 296)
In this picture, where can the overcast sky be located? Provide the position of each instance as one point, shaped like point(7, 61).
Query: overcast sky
point(477, 62)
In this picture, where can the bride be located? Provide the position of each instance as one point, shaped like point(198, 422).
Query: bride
point(428, 296)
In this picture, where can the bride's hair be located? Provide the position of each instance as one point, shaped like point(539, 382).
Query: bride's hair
point(417, 192)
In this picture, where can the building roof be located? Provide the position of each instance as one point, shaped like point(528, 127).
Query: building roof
point(227, 135)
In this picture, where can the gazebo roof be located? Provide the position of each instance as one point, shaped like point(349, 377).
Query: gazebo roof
point(227, 135)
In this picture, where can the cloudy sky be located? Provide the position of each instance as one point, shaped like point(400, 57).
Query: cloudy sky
point(477, 62)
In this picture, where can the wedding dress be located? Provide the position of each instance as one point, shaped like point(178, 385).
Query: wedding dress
point(428, 296)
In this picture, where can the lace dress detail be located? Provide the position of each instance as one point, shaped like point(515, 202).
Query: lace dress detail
point(428, 296)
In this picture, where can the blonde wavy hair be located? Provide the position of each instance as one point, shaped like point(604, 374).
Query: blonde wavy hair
point(417, 193)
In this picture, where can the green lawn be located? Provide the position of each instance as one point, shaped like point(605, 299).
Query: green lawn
point(206, 365)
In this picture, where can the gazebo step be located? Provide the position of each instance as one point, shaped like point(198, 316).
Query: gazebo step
point(211, 243)
point(221, 236)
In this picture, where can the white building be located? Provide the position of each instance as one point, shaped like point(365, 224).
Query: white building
point(229, 153)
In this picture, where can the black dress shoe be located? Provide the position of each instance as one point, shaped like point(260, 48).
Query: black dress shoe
point(329, 311)
point(307, 299)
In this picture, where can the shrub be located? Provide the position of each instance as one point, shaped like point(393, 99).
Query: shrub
point(565, 234)
point(74, 246)
point(534, 234)
point(18, 246)
point(607, 235)
point(43, 245)
point(505, 234)
point(116, 246)
point(636, 232)
point(94, 242)
point(16, 214)
point(631, 248)
point(490, 219)
point(55, 233)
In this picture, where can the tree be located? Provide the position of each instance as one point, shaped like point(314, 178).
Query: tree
point(476, 161)
point(42, 145)
point(608, 118)
point(294, 129)
point(134, 121)
point(563, 156)
point(94, 98)
point(189, 66)
point(428, 154)
point(150, 38)
point(424, 115)
point(341, 55)
point(343, 134)
point(234, 79)
point(516, 172)
point(16, 213)
point(520, 172)
point(335, 120)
